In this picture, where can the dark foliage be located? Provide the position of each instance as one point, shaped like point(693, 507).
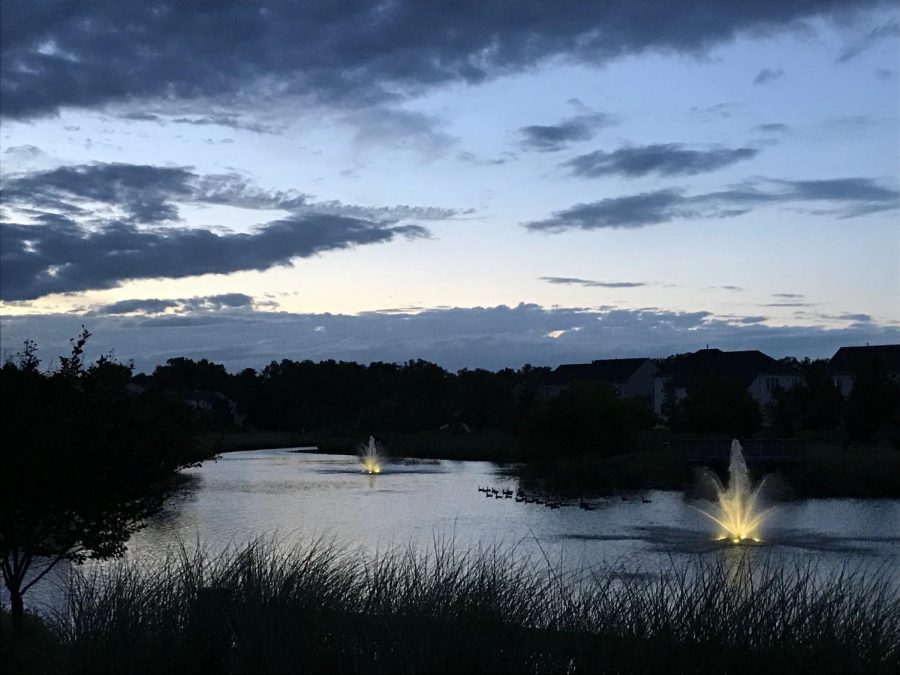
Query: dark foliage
point(816, 406)
point(872, 410)
point(85, 462)
point(586, 419)
point(717, 405)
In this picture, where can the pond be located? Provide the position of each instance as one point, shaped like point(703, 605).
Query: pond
point(296, 496)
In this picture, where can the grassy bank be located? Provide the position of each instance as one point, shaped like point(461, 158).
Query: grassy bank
point(326, 610)
point(483, 445)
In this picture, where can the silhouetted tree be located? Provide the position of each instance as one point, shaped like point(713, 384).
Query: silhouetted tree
point(585, 419)
point(872, 410)
point(816, 406)
point(85, 463)
point(718, 405)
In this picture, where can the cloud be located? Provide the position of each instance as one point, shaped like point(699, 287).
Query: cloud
point(59, 256)
point(590, 283)
point(144, 193)
point(157, 306)
point(891, 29)
point(847, 198)
point(400, 129)
point(669, 159)
point(488, 337)
point(94, 226)
point(553, 137)
point(787, 295)
point(91, 55)
point(146, 306)
point(768, 75)
point(647, 208)
point(773, 128)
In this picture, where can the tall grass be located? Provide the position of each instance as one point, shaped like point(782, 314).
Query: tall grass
point(261, 609)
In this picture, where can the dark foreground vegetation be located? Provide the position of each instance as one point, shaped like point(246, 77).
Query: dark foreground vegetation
point(321, 609)
point(85, 462)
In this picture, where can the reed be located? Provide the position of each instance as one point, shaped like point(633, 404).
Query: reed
point(321, 608)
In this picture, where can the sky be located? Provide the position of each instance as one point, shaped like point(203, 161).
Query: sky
point(478, 184)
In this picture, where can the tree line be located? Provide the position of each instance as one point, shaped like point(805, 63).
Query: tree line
point(356, 399)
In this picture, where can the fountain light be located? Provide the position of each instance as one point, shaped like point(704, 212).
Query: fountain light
point(736, 509)
point(371, 463)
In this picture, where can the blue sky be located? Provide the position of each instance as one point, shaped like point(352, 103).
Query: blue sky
point(477, 187)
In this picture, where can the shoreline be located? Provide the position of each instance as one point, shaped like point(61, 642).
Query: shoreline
point(829, 471)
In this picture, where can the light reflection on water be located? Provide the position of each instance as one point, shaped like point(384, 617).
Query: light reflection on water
point(299, 496)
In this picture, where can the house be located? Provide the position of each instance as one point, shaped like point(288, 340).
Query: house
point(209, 401)
point(848, 362)
point(759, 373)
point(629, 378)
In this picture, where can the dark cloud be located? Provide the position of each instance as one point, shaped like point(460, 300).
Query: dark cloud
point(847, 198)
point(84, 227)
point(57, 54)
point(230, 120)
point(157, 306)
point(143, 193)
point(787, 295)
point(768, 75)
point(145, 306)
point(669, 159)
point(648, 208)
point(888, 30)
point(773, 128)
point(590, 283)
point(488, 337)
point(59, 256)
point(553, 137)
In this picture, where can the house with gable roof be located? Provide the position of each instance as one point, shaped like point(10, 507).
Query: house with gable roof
point(759, 373)
point(848, 362)
point(628, 378)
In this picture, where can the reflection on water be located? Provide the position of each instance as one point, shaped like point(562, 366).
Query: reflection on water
point(298, 496)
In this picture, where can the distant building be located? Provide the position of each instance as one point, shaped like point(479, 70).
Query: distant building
point(213, 400)
point(628, 378)
point(759, 373)
point(848, 362)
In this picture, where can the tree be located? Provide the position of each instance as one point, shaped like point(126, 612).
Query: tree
point(585, 419)
point(718, 405)
point(872, 411)
point(85, 463)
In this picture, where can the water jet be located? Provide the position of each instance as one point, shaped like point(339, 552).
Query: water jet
point(371, 462)
point(736, 509)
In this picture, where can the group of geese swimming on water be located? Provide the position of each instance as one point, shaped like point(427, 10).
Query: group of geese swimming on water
point(522, 497)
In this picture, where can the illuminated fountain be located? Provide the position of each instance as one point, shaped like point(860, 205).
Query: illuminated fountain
point(736, 511)
point(371, 463)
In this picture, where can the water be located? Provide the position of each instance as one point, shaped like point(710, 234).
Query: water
point(737, 512)
point(296, 496)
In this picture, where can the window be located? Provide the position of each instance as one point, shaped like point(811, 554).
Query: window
point(772, 384)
